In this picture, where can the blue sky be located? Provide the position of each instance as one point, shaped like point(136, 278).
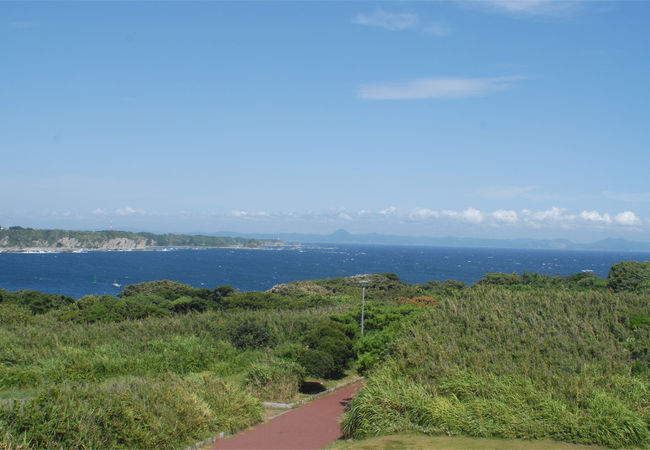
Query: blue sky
point(497, 118)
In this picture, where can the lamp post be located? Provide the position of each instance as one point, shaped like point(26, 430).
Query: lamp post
point(363, 302)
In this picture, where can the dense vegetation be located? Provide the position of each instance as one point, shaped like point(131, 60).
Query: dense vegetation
point(19, 237)
point(165, 364)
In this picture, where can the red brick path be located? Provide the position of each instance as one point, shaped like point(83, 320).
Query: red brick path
point(313, 425)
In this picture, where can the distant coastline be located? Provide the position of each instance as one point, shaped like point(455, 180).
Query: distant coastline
point(29, 240)
point(342, 237)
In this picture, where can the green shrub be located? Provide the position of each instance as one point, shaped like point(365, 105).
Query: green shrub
point(187, 304)
point(105, 308)
point(318, 364)
point(329, 337)
point(500, 279)
point(290, 351)
point(275, 379)
point(628, 275)
point(251, 333)
point(36, 302)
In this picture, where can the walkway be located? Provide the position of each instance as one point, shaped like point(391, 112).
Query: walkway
point(310, 426)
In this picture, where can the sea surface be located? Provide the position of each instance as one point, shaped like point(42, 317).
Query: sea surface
point(79, 274)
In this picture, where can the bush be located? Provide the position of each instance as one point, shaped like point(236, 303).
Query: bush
point(275, 379)
point(318, 364)
point(37, 302)
point(251, 334)
point(628, 276)
point(290, 351)
point(329, 337)
point(171, 290)
point(500, 279)
point(93, 308)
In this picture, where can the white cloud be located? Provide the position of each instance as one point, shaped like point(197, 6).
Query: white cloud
point(553, 214)
point(436, 88)
point(391, 210)
point(128, 211)
point(472, 215)
point(344, 216)
point(505, 216)
point(423, 214)
point(595, 216)
point(387, 20)
point(469, 215)
point(527, 7)
point(627, 218)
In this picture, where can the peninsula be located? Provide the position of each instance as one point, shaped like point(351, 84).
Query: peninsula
point(19, 239)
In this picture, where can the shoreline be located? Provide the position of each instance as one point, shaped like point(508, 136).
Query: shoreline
point(52, 250)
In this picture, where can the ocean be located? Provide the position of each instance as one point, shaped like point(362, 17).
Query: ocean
point(79, 274)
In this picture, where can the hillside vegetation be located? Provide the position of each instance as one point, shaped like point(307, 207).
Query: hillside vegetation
point(166, 364)
point(18, 238)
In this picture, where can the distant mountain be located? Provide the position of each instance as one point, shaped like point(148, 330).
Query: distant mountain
point(344, 237)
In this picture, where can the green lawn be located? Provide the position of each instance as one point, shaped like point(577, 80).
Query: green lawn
point(417, 441)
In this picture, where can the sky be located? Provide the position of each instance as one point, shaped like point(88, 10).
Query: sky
point(492, 118)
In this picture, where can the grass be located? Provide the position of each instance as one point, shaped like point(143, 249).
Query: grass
point(42, 350)
point(155, 382)
point(419, 441)
point(134, 412)
point(531, 364)
point(490, 361)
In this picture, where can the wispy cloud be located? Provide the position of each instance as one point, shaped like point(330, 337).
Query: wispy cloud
point(438, 88)
point(526, 7)
point(401, 22)
point(23, 24)
point(438, 29)
point(632, 197)
point(388, 20)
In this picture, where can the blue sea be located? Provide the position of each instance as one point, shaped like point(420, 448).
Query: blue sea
point(79, 274)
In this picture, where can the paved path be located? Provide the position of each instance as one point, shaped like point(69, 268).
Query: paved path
point(313, 425)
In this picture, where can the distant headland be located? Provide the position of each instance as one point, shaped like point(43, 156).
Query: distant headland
point(19, 239)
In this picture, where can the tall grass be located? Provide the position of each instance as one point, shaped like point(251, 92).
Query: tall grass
point(150, 383)
point(492, 362)
point(134, 412)
point(40, 349)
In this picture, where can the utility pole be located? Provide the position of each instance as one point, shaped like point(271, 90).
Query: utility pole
point(363, 302)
